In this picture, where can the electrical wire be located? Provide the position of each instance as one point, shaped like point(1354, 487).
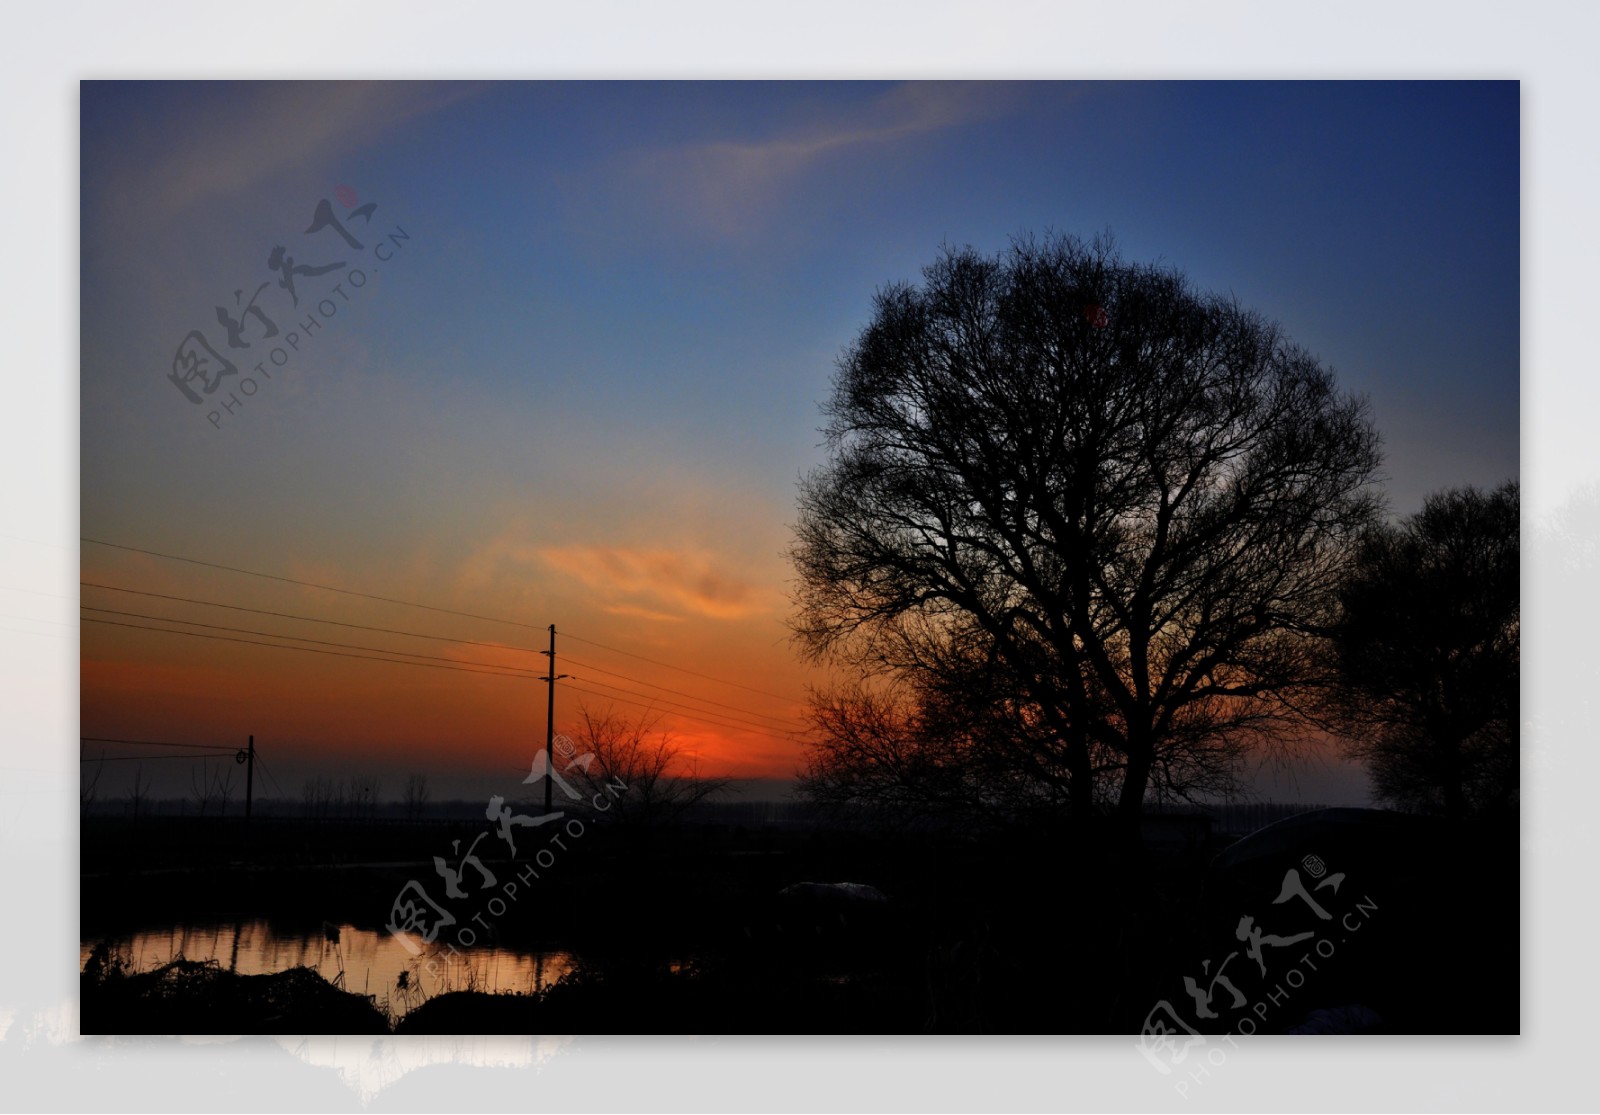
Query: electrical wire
point(785, 722)
point(139, 758)
point(311, 584)
point(430, 661)
point(304, 639)
point(308, 619)
point(768, 733)
point(663, 701)
point(308, 650)
point(156, 743)
point(427, 665)
point(684, 669)
point(702, 700)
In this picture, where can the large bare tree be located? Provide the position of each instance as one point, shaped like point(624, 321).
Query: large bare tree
point(1090, 516)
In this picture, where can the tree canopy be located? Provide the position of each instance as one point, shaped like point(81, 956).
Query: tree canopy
point(1429, 652)
point(1086, 517)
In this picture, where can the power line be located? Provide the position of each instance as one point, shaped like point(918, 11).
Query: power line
point(426, 607)
point(770, 733)
point(788, 723)
point(139, 758)
point(308, 650)
point(703, 700)
point(677, 709)
point(677, 704)
point(312, 584)
point(262, 763)
point(309, 619)
point(155, 743)
point(508, 672)
point(685, 669)
point(302, 639)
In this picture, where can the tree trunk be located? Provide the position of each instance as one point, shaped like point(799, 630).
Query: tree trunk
point(1451, 779)
point(1080, 796)
point(1130, 803)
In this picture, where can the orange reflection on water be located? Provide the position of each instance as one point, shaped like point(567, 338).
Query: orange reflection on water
point(368, 962)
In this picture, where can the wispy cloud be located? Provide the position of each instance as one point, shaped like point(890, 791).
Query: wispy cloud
point(684, 579)
point(641, 613)
point(227, 143)
point(502, 560)
point(731, 186)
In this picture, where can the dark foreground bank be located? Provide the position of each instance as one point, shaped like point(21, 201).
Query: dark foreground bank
point(1403, 928)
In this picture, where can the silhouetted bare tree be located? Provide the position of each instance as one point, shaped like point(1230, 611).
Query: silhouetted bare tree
point(212, 788)
point(203, 787)
point(316, 797)
point(1429, 648)
point(897, 753)
point(89, 784)
point(640, 773)
point(139, 792)
point(415, 795)
point(1088, 512)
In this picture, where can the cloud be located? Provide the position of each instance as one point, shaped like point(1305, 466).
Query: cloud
point(682, 579)
point(731, 185)
point(641, 613)
point(243, 134)
point(504, 557)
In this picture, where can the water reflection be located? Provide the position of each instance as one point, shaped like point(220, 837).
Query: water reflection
point(368, 962)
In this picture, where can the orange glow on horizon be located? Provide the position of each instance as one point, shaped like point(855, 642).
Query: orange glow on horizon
point(453, 705)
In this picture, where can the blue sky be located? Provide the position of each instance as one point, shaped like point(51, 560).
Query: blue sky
point(583, 389)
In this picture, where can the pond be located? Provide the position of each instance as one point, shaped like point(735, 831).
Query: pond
point(366, 961)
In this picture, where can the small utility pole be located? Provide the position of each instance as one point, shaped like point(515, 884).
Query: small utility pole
point(249, 780)
point(550, 719)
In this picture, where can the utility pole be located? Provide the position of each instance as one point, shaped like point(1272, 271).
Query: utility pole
point(550, 719)
point(247, 756)
point(249, 780)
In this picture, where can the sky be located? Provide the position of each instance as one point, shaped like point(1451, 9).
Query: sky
point(580, 374)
